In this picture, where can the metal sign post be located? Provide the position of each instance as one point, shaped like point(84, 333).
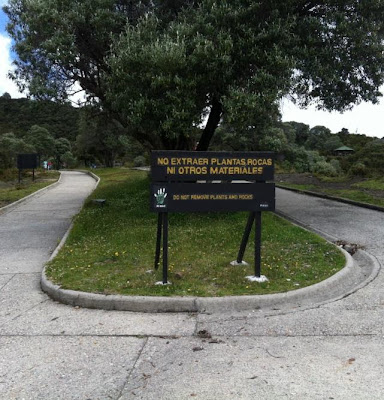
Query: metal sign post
point(165, 248)
point(244, 242)
point(258, 244)
point(158, 240)
point(254, 218)
point(162, 236)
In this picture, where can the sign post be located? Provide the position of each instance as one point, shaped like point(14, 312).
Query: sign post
point(247, 231)
point(186, 181)
point(258, 245)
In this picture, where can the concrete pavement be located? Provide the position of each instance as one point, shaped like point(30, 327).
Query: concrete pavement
point(54, 351)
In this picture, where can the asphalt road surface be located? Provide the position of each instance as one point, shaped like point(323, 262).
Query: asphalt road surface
point(53, 351)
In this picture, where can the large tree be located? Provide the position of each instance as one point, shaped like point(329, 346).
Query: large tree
point(10, 147)
point(62, 45)
point(41, 140)
point(99, 139)
point(159, 66)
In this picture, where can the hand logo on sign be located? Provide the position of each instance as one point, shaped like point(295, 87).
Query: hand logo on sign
point(160, 196)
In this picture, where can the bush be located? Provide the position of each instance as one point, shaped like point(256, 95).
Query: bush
point(324, 168)
point(8, 174)
point(297, 157)
point(372, 156)
point(336, 164)
point(358, 169)
point(275, 140)
point(139, 161)
point(313, 158)
point(69, 160)
point(284, 167)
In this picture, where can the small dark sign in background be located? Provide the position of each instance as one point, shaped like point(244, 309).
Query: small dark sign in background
point(27, 161)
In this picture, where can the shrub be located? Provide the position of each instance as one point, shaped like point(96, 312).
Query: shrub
point(68, 159)
point(324, 168)
point(336, 164)
point(358, 169)
point(373, 157)
point(297, 157)
point(284, 167)
point(8, 174)
point(139, 161)
point(313, 158)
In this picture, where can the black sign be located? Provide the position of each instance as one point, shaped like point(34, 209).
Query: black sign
point(206, 197)
point(27, 161)
point(180, 185)
point(184, 166)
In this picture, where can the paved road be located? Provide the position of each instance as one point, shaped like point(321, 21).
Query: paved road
point(52, 351)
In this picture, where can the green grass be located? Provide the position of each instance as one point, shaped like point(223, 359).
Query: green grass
point(333, 179)
point(355, 195)
point(111, 248)
point(11, 190)
point(374, 184)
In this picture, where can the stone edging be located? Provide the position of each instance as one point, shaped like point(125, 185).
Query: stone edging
point(301, 298)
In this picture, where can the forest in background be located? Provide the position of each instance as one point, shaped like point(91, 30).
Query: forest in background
point(65, 135)
point(70, 136)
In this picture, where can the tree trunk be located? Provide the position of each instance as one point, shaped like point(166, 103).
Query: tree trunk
point(212, 124)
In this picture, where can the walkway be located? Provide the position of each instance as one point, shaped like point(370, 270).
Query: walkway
point(52, 351)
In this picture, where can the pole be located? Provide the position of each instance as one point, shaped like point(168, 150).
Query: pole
point(19, 175)
point(158, 241)
point(246, 234)
point(258, 244)
point(33, 174)
point(165, 248)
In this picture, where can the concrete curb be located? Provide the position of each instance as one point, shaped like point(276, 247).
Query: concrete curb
point(338, 286)
point(94, 176)
point(330, 290)
point(15, 204)
point(328, 197)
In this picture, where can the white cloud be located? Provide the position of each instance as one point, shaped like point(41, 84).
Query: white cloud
point(6, 84)
point(3, 3)
point(364, 118)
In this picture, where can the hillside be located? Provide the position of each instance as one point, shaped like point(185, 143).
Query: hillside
point(18, 115)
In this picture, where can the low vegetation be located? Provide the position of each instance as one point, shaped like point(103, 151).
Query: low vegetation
point(11, 190)
point(370, 191)
point(111, 249)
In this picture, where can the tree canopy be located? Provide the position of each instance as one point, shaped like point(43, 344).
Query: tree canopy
point(159, 67)
point(19, 115)
point(10, 146)
point(41, 140)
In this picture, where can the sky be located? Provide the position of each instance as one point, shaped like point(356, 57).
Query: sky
point(6, 85)
point(364, 118)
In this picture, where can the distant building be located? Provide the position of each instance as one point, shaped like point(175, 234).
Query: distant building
point(343, 151)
